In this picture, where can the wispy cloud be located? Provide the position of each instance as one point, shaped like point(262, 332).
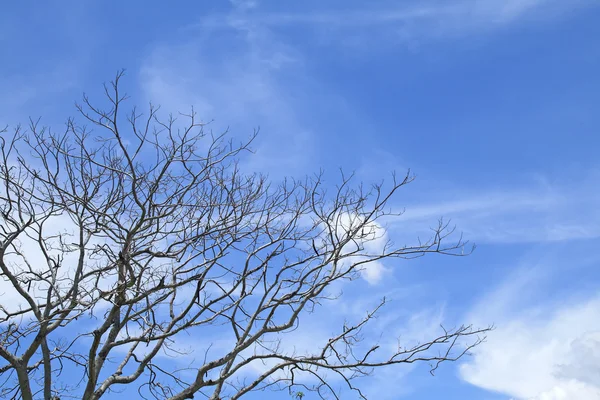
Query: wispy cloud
point(243, 70)
point(27, 96)
point(410, 20)
point(542, 349)
point(30, 86)
point(537, 212)
point(242, 80)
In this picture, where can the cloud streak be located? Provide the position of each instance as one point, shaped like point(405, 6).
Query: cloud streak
point(246, 78)
point(538, 212)
point(413, 19)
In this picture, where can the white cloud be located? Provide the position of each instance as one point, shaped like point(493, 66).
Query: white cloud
point(373, 239)
point(549, 351)
point(570, 390)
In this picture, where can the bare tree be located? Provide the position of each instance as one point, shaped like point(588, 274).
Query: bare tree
point(123, 237)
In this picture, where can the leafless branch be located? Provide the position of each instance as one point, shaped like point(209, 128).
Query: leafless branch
point(120, 237)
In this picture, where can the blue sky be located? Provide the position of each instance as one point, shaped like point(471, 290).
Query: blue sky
point(492, 103)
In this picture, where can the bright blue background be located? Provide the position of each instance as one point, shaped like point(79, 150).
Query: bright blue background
point(496, 109)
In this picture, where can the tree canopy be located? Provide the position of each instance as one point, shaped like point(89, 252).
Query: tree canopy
point(126, 232)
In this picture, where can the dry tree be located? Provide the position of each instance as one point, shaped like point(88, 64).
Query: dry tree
point(125, 234)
